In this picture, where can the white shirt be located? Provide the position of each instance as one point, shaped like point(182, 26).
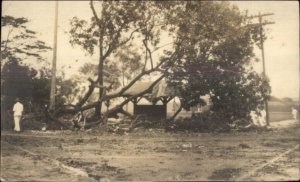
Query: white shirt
point(18, 109)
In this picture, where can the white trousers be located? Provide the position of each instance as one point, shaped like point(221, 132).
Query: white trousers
point(17, 123)
point(295, 116)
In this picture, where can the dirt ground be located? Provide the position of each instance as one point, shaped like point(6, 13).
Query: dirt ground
point(152, 155)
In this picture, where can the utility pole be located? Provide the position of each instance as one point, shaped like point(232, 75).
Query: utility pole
point(53, 77)
point(261, 24)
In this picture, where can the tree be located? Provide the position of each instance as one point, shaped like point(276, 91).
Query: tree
point(213, 52)
point(16, 82)
point(19, 79)
point(20, 42)
point(113, 27)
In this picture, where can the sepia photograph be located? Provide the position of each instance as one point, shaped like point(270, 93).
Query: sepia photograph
point(155, 90)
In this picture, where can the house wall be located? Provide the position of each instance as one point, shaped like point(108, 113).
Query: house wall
point(151, 111)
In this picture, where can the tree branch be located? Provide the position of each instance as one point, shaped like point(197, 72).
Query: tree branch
point(94, 12)
point(157, 48)
point(8, 34)
point(88, 93)
point(113, 46)
point(119, 107)
point(150, 53)
point(138, 77)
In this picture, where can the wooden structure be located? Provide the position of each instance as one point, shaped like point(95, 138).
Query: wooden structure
point(159, 96)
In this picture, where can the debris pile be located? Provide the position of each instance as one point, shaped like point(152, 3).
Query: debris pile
point(123, 125)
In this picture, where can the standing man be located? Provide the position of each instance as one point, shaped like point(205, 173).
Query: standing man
point(18, 111)
point(294, 113)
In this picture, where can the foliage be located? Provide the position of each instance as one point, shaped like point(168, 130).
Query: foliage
point(17, 78)
point(16, 82)
point(213, 52)
point(20, 42)
point(115, 25)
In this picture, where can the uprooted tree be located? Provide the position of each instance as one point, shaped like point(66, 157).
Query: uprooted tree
point(211, 52)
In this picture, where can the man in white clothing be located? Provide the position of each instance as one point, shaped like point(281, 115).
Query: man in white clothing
point(18, 111)
point(294, 113)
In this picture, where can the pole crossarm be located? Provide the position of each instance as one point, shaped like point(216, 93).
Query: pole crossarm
point(259, 24)
point(259, 15)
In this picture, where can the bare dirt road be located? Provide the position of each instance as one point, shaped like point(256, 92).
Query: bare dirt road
point(152, 155)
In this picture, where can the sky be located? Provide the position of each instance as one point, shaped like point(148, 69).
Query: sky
point(281, 47)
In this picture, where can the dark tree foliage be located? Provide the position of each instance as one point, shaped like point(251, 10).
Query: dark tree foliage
point(17, 78)
point(20, 42)
point(214, 50)
point(16, 82)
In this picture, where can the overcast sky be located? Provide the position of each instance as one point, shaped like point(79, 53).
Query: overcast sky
point(281, 48)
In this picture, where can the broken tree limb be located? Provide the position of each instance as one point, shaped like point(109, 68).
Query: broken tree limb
point(88, 93)
point(138, 77)
point(73, 109)
point(111, 112)
point(108, 97)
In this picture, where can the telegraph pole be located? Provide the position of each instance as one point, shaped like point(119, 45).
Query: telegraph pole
point(53, 77)
point(261, 24)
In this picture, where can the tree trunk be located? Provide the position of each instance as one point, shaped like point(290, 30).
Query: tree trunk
point(100, 76)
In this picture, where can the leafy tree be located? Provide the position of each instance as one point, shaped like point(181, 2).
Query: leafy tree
point(212, 51)
point(213, 54)
point(16, 82)
point(20, 42)
point(17, 78)
point(115, 25)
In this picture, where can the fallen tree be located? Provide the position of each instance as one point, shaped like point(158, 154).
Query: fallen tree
point(209, 56)
point(114, 26)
